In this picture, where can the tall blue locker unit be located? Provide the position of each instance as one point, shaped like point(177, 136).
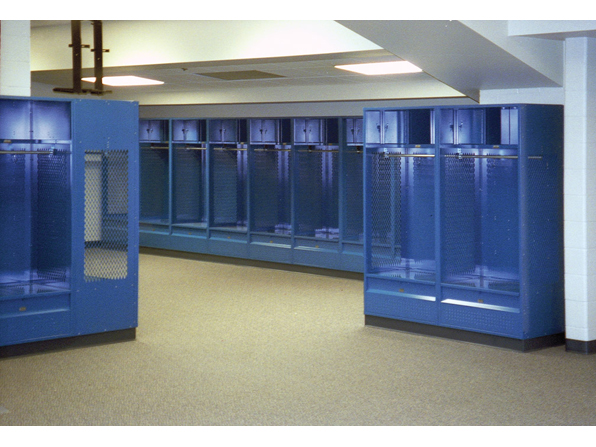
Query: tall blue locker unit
point(228, 185)
point(189, 185)
point(270, 199)
point(316, 189)
point(154, 138)
point(69, 232)
point(463, 223)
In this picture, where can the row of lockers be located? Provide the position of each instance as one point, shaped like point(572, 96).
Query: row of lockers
point(280, 197)
point(459, 208)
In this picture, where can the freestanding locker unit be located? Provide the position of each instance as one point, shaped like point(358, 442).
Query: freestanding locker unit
point(463, 226)
point(69, 231)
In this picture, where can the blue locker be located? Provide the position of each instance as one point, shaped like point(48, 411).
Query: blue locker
point(271, 163)
point(463, 229)
point(189, 174)
point(271, 176)
point(351, 198)
point(69, 238)
point(155, 174)
point(229, 174)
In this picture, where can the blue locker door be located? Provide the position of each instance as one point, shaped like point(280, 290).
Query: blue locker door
point(105, 215)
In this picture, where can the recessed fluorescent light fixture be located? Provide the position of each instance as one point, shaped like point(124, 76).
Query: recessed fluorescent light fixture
point(382, 68)
point(124, 81)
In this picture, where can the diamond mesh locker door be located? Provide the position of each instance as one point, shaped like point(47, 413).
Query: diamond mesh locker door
point(106, 215)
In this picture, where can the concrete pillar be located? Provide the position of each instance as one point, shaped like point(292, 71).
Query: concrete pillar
point(580, 194)
point(15, 58)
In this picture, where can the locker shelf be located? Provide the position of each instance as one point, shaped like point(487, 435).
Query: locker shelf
point(23, 289)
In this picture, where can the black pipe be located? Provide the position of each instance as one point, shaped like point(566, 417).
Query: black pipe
point(98, 55)
point(75, 30)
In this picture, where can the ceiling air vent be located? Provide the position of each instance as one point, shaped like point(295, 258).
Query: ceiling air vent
point(240, 75)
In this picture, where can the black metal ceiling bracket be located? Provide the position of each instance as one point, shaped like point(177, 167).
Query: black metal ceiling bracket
point(77, 47)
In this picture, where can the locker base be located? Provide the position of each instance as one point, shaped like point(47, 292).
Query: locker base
point(582, 347)
point(57, 344)
point(466, 336)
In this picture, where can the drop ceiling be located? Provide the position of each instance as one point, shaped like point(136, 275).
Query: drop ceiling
point(459, 59)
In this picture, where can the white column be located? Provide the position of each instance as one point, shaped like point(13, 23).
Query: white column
point(580, 193)
point(15, 58)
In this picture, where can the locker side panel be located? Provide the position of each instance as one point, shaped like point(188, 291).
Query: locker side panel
point(542, 214)
point(105, 215)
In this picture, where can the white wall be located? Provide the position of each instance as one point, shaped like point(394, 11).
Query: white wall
point(280, 110)
point(15, 72)
point(580, 188)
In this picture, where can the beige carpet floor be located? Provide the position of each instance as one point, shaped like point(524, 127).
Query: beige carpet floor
point(223, 344)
